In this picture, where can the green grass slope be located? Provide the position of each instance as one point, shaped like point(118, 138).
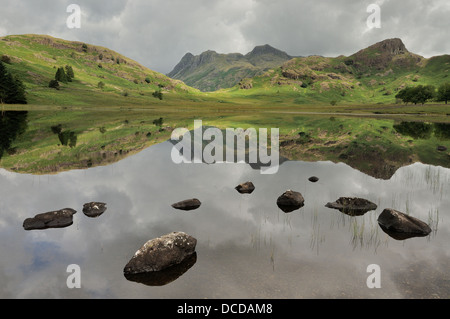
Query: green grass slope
point(371, 76)
point(36, 58)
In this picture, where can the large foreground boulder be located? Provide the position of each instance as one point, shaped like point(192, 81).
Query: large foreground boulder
point(161, 253)
point(401, 226)
point(94, 209)
point(290, 201)
point(165, 276)
point(189, 204)
point(55, 219)
point(352, 206)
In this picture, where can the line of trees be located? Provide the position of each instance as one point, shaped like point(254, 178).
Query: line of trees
point(423, 93)
point(63, 75)
point(12, 90)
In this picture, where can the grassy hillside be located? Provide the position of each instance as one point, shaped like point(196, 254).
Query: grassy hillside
point(36, 58)
point(370, 76)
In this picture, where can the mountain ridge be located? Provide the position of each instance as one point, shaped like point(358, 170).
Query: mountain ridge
point(210, 71)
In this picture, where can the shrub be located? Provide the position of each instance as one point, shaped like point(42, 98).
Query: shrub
point(53, 84)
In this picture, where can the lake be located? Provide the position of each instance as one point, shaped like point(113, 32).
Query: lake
point(246, 246)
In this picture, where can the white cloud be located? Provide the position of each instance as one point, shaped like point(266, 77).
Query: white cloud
point(158, 33)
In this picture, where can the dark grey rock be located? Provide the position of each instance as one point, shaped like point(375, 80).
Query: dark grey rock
point(290, 201)
point(441, 148)
point(55, 219)
point(165, 276)
point(313, 179)
point(401, 226)
point(94, 209)
point(189, 204)
point(352, 206)
point(245, 188)
point(161, 253)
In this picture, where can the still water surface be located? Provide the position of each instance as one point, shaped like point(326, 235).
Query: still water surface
point(247, 247)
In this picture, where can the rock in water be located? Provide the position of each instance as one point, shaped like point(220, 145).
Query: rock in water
point(165, 276)
point(189, 204)
point(352, 206)
point(313, 179)
point(245, 188)
point(94, 209)
point(161, 253)
point(402, 226)
point(55, 219)
point(290, 201)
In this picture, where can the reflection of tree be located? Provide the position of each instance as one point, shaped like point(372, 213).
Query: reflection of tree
point(12, 124)
point(417, 130)
point(442, 131)
point(67, 138)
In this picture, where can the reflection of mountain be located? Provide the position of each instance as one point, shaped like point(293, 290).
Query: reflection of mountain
point(12, 124)
point(236, 149)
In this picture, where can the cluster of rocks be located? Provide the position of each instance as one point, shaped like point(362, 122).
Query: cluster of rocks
point(62, 218)
point(162, 260)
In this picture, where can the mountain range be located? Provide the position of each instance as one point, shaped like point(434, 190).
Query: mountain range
point(211, 71)
point(264, 75)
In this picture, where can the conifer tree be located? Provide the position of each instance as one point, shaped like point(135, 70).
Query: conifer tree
point(12, 90)
point(69, 72)
point(61, 76)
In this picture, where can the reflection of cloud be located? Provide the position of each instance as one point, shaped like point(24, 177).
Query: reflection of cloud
point(241, 238)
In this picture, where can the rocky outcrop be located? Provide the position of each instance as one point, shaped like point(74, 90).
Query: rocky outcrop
point(381, 55)
point(161, 253)
point(55, 219)
point(94, 209)
point(290, 201)
point(245, 188)
point(188, 204)
point(401, 226)
point(352, 206)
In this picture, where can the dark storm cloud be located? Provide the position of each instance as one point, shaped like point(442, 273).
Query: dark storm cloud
point(158, 33)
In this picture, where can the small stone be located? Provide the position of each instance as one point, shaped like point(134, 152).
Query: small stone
point(245, 188)
point(55, 219)
point(94, 209)
point(189, 204)
point(401, 226)
point(313, 179)
point(290, 201)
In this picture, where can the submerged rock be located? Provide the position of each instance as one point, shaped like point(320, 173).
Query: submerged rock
point(166, 276)
point(352, 206)
point(245, 188)
point(55, 219)
point(94, 209)
point(161, 253)
point(313, 179)
point(401, 226)
point(290, 201)
point(189, 204)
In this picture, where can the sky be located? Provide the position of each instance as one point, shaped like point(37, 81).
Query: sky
point(158, 33)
